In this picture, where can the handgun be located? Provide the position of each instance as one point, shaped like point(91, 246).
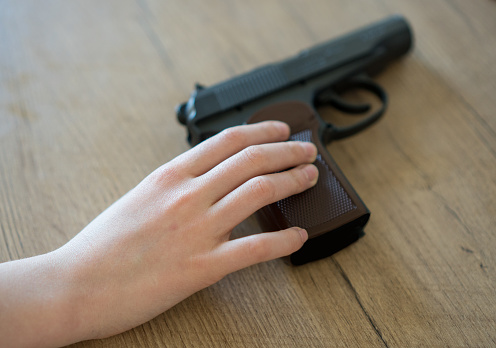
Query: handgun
point(291, 90)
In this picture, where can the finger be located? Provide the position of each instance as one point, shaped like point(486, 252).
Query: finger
point(243, 252)
point(261, 191)
point(254, 161)
point(218, 148)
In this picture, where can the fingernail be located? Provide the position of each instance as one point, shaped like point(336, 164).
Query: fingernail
point(310, 149)
point(282, 127)
point(303, 234)
point(312, 173)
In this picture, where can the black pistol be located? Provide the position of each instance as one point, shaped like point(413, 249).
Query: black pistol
point(290, 91)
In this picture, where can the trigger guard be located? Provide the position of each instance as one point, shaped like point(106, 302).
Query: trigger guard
point(343, 105)
point(364, 82)
point(361, 82)
point(331, 96)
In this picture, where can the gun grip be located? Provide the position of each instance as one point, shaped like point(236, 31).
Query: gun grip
point(331, 211)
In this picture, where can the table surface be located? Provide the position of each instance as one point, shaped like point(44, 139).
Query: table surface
point(87, 97)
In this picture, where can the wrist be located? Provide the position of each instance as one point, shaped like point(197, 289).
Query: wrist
point(38, 305)
point(77, 312)
point(67, 298)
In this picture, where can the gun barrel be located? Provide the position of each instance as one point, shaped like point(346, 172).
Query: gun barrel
point(387, 39)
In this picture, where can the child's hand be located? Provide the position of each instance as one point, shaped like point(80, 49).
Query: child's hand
point(169, 237)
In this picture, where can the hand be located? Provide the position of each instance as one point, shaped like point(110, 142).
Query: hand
point(169, 237)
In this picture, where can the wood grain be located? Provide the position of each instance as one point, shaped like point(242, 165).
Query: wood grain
point(87, 97)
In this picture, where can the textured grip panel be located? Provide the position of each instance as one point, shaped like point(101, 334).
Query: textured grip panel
point(300, 209)
point(331, 211)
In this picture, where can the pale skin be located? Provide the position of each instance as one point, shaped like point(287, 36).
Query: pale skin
point(166, 239)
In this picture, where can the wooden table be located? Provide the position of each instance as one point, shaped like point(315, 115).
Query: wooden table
point(87, 97)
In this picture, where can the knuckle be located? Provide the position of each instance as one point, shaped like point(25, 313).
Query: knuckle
point(254, 155)
point(299, 179)
point(275, 131)
point(296, 149)
point(300, 150)
point(233, 136)
point(256, 250)
point(294, 240)
point(163, 175)
point(202, 268)
point(264, 189)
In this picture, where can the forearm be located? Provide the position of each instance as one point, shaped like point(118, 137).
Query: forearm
point(39, 304)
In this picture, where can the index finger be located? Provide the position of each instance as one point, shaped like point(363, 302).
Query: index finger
point(206, 155)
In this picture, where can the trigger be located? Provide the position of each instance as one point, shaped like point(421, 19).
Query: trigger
point(343, 105)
